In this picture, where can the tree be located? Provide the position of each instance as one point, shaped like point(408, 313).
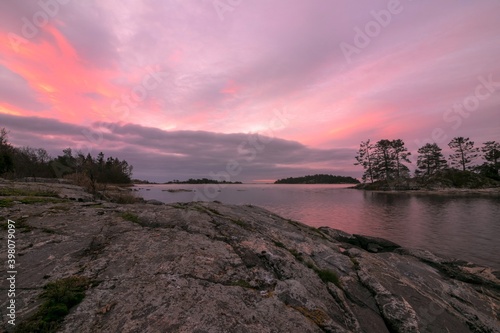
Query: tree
point(390, 156)
point(6, 152)
point(464, 152)
point(491, 151)
point(430, 160)
point(400, 155)
point(384, 160)
point(364, 158)
point(385, 163)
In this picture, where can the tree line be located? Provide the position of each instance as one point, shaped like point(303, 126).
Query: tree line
point(35, 163)
point(387, 159)
point(318, 179)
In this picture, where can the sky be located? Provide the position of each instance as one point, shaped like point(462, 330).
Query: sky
point(250, 90)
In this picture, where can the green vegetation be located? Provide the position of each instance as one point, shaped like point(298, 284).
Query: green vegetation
point(7, 191)
point(239, 222)
point(201, 181)
point(20, 225)
point(26, 196)
point(452, 178)
point(327, 275)
point(87, 170)
point(242, 283)
point(203, 209)
point(430, 160)
point(279, 244)
point(9, 202)
point(318, 179)
point(355, 262)
point(120, 197)
point(384, 160)
point(6, 202)
point(384, 167)
point(464, 153)
point(34, 200)
point(58, 299)
point(128, 216)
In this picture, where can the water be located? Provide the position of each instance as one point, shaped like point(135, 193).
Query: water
point(464, 227)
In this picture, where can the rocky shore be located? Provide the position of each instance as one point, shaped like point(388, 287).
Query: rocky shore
point(211, 268)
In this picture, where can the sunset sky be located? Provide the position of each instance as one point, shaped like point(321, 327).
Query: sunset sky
point(181, 88)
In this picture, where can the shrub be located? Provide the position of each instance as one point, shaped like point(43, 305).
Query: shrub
point(128, 216)
point(327, 275)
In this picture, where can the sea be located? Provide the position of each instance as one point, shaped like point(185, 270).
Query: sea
point(462, 226)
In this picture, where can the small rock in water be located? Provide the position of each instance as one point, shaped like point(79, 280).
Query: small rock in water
point(154, 202)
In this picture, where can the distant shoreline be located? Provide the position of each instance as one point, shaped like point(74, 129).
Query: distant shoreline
point(495, 191)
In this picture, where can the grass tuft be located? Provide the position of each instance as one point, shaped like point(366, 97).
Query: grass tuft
point(58, 299)
point(355, 262)
point(242, 283)
point(7, 192)
point(279, 244)
point(128, 216)
point(327, 275)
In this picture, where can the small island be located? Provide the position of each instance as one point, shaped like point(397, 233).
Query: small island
point(201, 181)
point(318, 179)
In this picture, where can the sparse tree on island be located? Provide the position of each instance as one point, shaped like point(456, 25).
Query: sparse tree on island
point(464, 153)
point(385, 164)
point(390, 158)
point(384, 160)
point(491, 151)
point(430, 160)
point(365, 158)
point(401, 155)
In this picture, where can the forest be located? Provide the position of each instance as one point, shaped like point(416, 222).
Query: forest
point(27, 162)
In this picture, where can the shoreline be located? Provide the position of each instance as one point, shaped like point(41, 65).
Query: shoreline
point(493, 191)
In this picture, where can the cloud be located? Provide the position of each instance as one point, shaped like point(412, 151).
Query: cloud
point(165, 155)
point(224, 73)
point(16, 91)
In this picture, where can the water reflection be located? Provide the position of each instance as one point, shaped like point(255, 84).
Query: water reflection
point(466, 227)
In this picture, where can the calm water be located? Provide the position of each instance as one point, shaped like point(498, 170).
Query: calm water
point(465, 227)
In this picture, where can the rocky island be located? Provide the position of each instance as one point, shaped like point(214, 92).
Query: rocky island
point(86, 265)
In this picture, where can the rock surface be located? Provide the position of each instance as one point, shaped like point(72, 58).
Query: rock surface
point(210, 268)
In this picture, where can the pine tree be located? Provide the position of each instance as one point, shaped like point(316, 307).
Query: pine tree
point(400, 155)
point(430, 160)
point(491, 151)
point(6, 158)
point(464, 152)
point(365, 158)
point(385, 164)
